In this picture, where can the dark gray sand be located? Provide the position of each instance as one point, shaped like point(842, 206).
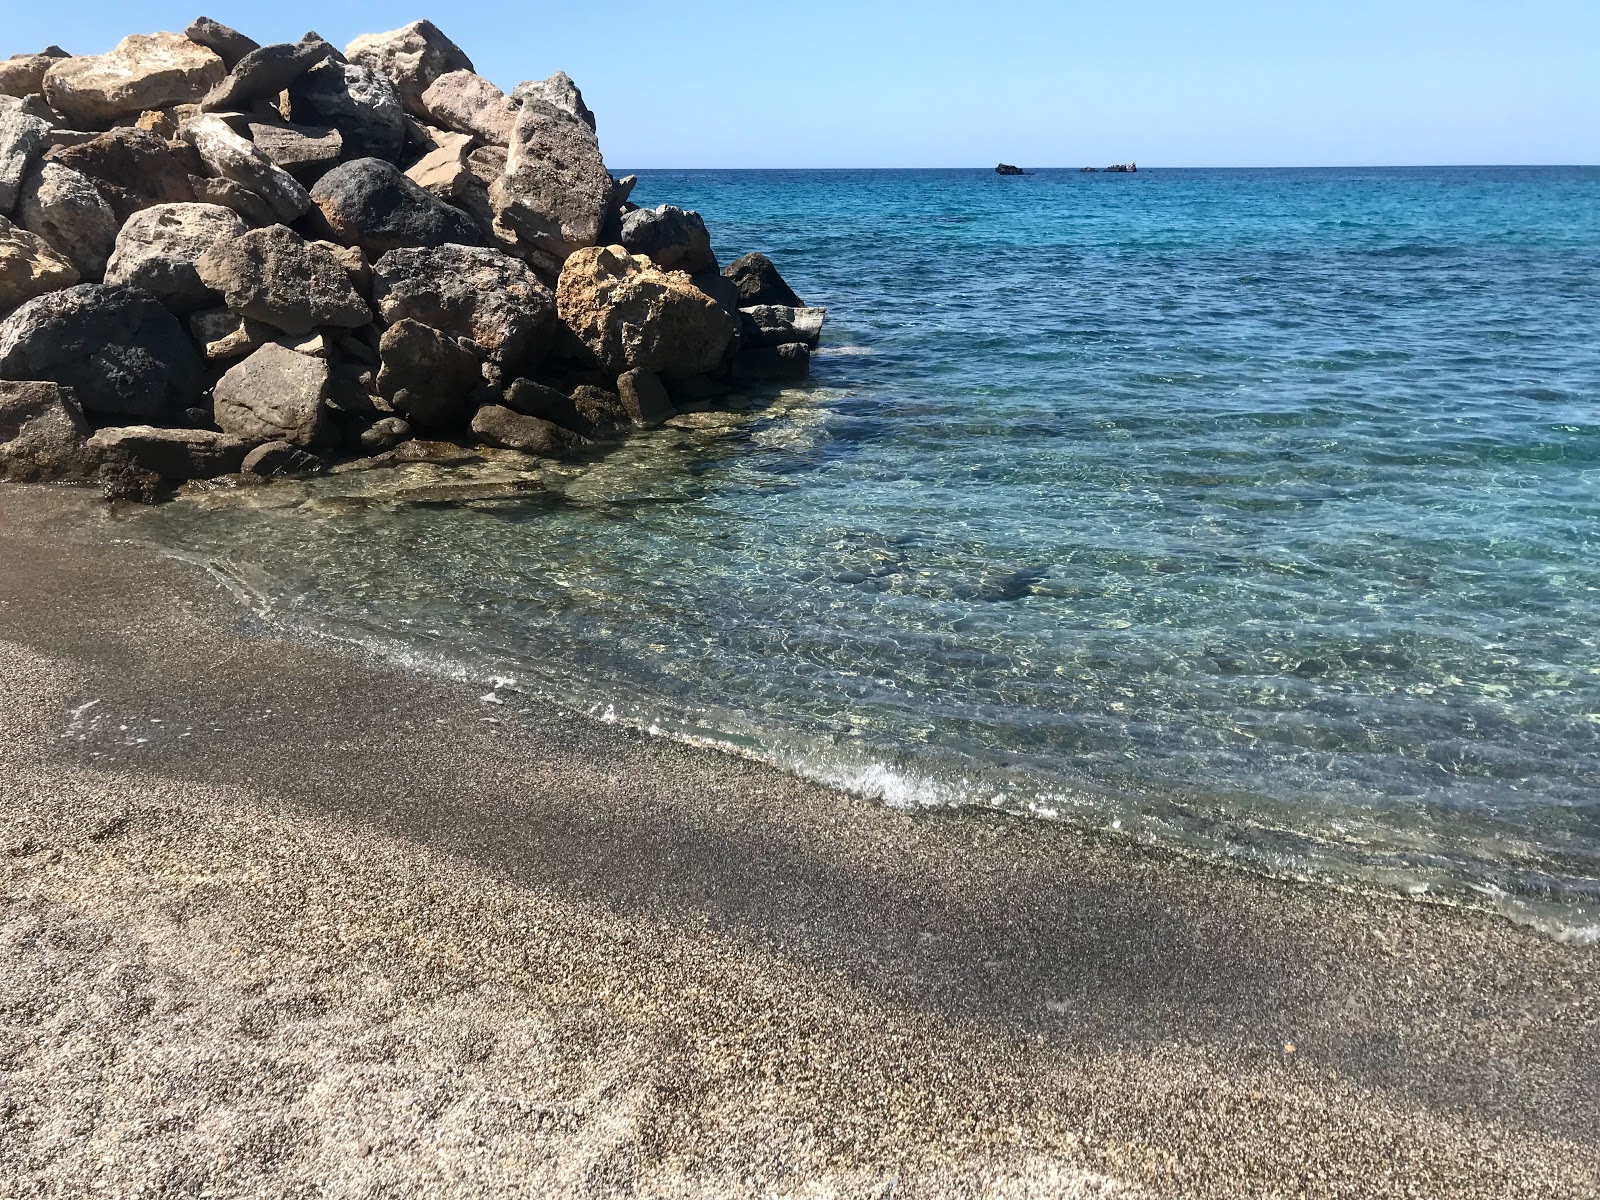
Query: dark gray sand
point(279, 920)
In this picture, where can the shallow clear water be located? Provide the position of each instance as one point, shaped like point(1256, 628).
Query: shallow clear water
point(1253, 511)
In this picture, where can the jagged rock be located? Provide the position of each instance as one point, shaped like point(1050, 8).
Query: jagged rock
point(758, 282)
point(171, 455)
point(223, 335)
point(358, 101)
point(487, 163)
point(468, 103)
point(228, 44)
point(780, 325)
point(628, 313)
point(369, 203)
point(556, 192)
point(23, 138)
point(601, 412)
point(305, 151)
point(144, 71)
point(65, 208)
point(159, 246)
point(558, 90)
point(275, 275)
point(383, 434)
point(131, 168)
point(540, 400)
point(675, 240)
point(445, 171)
point(29, 267)
point(232, 157)
point(411, 57)
point(23, 74)
point(625, 187)
point(644, 398)
point(227, 194)
point(275, 395)
point(42, 433)
point(510, 430)
point(469, 292)
point(266, 71)
point(279, 460)
point(759, 363)
point(117, 348)
point(429, 377)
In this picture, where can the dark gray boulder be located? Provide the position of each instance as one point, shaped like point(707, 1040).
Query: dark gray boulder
point(274, 275)
point(275, 395)
point(369, 203)
point(266, 71)
point(227, 44)
point(42, 433)
point(431, 379)
point(556, 193)
point(159, 246)
point(543, 401)
point(305, 151)
point(280, 460)
point(357, 101)
point(758, 282)
point(170, 455)
point(469, 292)
point(672, 238)
point(500, 426)
point(780, 325)
point(117, 348)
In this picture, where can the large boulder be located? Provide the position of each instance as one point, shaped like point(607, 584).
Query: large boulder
point(305, 151)
point(232, 157)
point(23, 138)
point(42, 432)
point(131, 168)
point(228, 44)
point(468, 292)
point(556, 193)
point(675, 240)
point(275, 395)
point(266, 71)
point(500, 426)
point(369, 203)
point(158, 248)
point(274, 275)
point(359, 102)
point(23, 74)
point(758, 283)
point(431, 379)
point(629, 313)
point(558, 90)
point(172, 455)
point(411, 57)
point(29, 267)
point(145, 71)
point(780, 325)
point(65, 208)
point(445, 171)
point(117, 348)
point(468, 103)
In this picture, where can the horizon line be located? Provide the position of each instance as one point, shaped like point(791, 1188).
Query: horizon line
point(1509, 166)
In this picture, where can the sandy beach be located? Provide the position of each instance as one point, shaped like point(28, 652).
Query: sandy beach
point(280, 920)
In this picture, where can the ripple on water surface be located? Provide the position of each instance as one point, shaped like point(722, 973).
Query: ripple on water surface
point(1253, 511)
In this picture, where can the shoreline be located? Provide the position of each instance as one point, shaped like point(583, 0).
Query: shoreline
point(278, 913)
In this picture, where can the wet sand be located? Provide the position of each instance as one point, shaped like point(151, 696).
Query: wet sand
point(282, 920)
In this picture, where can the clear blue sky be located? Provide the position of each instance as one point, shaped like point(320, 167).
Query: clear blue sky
point(825, 83)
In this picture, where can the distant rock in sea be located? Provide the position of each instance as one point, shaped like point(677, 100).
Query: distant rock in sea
point(1123, 168)
point(220, 257)
point(1008, 169)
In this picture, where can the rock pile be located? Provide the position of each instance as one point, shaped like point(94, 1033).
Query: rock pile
point(217, 256)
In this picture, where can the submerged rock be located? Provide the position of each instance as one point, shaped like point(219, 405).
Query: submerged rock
point(42, 433)
point(510, 430)
point(29, 267)
point(468, 292)
point(644, 398)
point(369, 203)
point(628, 313)
point(158, 248)
point(274, 275)
point(275, 395)
point(280, 460)
point(144, 71)
point(117, 348)
point(760, 363)
point(171, 455)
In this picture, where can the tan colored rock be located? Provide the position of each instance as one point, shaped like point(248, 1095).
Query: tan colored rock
point(275, 395)
point(23, 74)
point(65, 208)
point(29, 267)
point(468, 103)
point(158, 247)
point(630, 314)
point(232, 157)
point(222, 334)
point(145, 71)
point(445, 171)
point(412, 57)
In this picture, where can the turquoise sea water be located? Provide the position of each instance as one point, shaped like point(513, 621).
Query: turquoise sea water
point(1255, 512)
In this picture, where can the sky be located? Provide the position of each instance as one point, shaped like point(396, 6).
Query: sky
point(828, 83)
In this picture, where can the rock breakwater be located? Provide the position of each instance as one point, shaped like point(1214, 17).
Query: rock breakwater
point(219, 258)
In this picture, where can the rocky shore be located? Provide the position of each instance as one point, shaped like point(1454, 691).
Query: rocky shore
point(220, 259)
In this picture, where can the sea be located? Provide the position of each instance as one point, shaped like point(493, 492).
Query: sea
point(1252, 514)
